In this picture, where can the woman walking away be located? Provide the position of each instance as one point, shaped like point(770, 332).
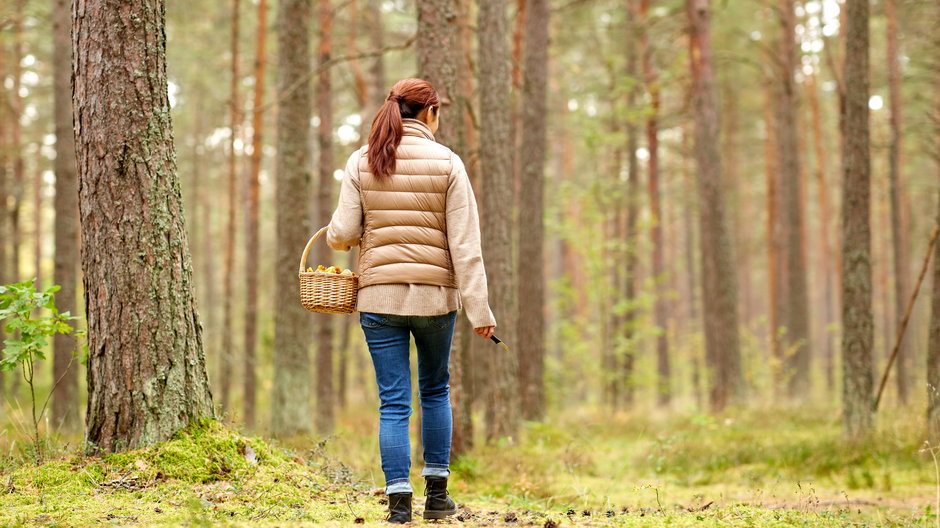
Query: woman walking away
point(407, 203)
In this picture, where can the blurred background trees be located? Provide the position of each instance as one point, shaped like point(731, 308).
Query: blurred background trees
point(671, 192)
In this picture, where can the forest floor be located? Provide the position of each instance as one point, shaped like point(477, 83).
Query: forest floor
point(776, 468)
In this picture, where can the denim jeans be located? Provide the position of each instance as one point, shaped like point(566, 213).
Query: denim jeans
point(389, 339)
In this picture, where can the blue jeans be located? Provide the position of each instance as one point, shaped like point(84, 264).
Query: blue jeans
point(389, 339)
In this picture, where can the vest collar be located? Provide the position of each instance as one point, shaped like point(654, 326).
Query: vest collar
point(415, 127)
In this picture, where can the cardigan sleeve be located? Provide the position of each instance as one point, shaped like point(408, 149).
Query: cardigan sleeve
point(346, 225)
point(463, 240)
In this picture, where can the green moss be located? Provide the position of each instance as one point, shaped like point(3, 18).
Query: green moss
point(201, 476)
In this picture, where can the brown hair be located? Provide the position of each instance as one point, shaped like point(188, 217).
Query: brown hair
point(406, 100)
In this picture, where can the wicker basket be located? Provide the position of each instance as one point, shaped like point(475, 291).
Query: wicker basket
point(326, 292)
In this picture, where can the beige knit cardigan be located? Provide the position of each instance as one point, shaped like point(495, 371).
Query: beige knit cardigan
point(348, 228)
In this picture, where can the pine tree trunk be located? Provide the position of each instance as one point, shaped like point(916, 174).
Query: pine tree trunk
point(933, 349)
point(826, 249)
point(377, 70)
point(461, 350)
point(65, 404)
point(4, 199)
point(718, 273)
point(252, 252)
point(656, 228)
point(16, 146)
point(632, 206)
point(146, 367)
point(857, 323)
point(502, 396)
point(227, 356)
point(796, 338)
point(902, 289)
point(933, 336)
point(531, 315)
point(437, 31)
point(37, 227)
point(324, 322)
point(773, 240)
point(689, 260)
point(290, 411)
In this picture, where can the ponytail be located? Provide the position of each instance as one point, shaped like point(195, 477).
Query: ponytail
point(384, 138)
point(406, 100)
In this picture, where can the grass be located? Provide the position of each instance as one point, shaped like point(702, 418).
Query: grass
point(775, 468)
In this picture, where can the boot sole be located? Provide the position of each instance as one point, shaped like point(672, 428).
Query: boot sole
point(438, 514)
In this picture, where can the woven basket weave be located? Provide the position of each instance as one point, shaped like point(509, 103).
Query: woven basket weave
point(326, 292)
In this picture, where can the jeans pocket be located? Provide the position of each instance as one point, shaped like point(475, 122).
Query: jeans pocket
point(443, 321)
point(372, 320)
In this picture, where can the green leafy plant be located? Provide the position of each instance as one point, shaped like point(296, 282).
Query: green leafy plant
point(30, 318)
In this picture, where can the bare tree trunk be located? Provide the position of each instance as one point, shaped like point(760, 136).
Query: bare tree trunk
point(146, 367)
point(718, 273)
point(933, 347)
point(65, 412)
point(252, 255)
point(502, 398)
point(796, 339)
point(5, 266)
point(773, 240)
point(857, 324)
point(16, 146)
point(531, 316)
point(656, 227)
point(37, 227)
point(437, 31)
point(632, 207)
point(933, 336)
point(324, 322)
point(461, 355)
point(689, 251)
point(291, 407)
point(227, 356)
point(377, 71)
point(902, 289)
point(826, 249)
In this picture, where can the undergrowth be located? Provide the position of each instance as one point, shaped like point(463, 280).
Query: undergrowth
point(786, 468)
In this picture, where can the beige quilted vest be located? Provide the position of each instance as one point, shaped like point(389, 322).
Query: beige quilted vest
point(404, 238)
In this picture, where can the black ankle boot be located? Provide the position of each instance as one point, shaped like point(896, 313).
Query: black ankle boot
point(399, 508)
point(438, 505)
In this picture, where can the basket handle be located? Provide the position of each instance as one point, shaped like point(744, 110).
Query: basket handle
point(303, 258)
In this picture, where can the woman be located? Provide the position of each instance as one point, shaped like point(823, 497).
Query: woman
point(407, 203)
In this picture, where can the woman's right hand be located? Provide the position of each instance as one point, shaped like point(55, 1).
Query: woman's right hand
point(485, 332)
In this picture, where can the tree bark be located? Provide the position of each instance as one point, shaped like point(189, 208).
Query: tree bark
point(461, 350)
point(857, 320)
point(146, 367)
point(531, 316)
point(902, 289)
point(226, 357)
point(826, 249)
point(933, 336)
point(656, 228)
point(437, 31)
point(718, 273)
point(773, 239)
point(796, 338)
point(502, 396)
point(4, 198)
point(252, 255)
point(16, 146)
point(290, 412)
point(324, 322)
point(65, 411)
point(632, 206)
